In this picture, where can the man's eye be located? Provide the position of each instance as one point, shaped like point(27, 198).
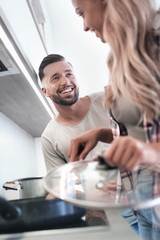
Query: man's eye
point(55, 78)
point(80, 14)
point(69, 74)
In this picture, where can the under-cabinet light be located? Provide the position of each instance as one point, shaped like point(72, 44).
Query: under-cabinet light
point(11, 49)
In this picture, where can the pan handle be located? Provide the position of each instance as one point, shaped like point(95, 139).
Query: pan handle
point(8, 211)
point(102, 164)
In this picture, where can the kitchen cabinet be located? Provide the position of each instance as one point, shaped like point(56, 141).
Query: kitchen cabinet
point(18, 100)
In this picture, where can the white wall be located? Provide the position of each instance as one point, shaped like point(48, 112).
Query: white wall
point(40, 164)
point(20, 153)
point(158, 3)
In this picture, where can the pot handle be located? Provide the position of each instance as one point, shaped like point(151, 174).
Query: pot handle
point(8, 211)
point(9, 188)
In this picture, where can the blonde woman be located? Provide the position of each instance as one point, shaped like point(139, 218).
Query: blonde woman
point(132, 29)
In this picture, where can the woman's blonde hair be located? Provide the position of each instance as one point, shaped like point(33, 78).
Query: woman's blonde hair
point(133, 70)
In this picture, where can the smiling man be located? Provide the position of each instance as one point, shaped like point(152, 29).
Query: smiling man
point(75, 115)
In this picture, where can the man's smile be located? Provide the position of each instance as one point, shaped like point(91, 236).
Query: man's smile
point(65, 90)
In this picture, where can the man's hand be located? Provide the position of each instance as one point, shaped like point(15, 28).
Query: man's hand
point(83, 144)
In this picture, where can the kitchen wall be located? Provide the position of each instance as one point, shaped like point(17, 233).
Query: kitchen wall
point(21, 154)
point(158, 3)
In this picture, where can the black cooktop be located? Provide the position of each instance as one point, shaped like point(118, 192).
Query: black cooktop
point(27, 222)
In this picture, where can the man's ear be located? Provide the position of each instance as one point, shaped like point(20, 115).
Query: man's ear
point(45, 91)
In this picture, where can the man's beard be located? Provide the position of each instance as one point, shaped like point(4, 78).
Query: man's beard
point(66, 101)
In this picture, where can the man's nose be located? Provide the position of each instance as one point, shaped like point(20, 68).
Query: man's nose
point(85, 27)
point(64, 79)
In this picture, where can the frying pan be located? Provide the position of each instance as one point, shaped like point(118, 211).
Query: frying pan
point(37, 214)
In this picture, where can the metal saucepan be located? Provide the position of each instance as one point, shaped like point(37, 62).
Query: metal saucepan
point(27, 187)
point(31, 187)
point(36, 214)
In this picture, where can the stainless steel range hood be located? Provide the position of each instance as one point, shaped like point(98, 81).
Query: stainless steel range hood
point(21, 99)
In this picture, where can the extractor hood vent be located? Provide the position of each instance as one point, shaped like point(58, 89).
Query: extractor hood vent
point(7, 67)
point(2, 67)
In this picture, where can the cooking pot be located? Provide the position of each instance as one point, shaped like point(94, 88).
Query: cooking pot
point(26, 187)
point(36, 214)
point(31, 187)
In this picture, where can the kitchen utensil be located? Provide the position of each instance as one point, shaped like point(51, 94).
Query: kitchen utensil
point(25, 188)
point(86, 184)
point(36, 214)
point(31, 187)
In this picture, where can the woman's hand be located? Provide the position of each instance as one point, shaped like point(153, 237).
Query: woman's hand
point(129, 153)
point(84, 143)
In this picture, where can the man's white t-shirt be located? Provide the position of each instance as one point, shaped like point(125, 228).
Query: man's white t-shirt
point(56, 136)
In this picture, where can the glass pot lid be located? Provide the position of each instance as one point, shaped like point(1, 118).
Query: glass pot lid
point(89, 184)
